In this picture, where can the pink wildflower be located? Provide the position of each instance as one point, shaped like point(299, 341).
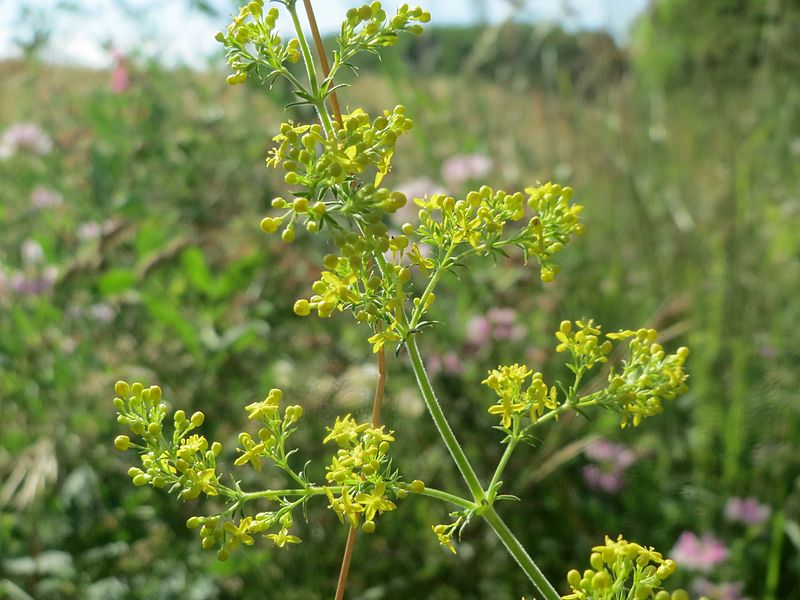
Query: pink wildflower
point(609, 481)
point(611, 461)
point(747, 511)
point(458, 170)
point(24, 137)
point(718, 591)
point(120, 75)
point(699, 554)
point(45, 197)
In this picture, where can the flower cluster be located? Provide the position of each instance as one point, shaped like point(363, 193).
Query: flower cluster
point(622, 569)
point(480, 220)
point(648, 376)
point(186, 462)
point(444, 533)
point(514, 402)
point(182, 461)
point(368, 28)
point(253, 45)
point(317, 162)
point(272, 435)
point(361, 470)
point(583, 343)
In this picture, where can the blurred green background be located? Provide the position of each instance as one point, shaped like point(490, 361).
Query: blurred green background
point(130, 198)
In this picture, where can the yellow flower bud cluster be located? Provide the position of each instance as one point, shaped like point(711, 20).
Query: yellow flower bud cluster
point(514, 402)
point(270, 442)
point(361, 467)
point(215, 531)
point(251, 43)
point(368, 27)
point(317, 162)
point(374, 294)
point(555, 221)
point(648, 376)
point(444, 533)
point(622, 569)
point(482, 218)
point(184, 462)
point(583, 342)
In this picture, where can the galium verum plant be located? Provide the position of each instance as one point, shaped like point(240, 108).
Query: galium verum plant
point(334, 170)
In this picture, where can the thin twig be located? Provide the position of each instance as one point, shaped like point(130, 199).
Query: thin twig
point(345, 570)
point(323, 58)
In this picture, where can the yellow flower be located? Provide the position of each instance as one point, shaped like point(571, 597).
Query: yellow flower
point(282, 538)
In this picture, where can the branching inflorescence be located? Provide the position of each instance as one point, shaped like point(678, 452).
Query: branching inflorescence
point(335, 170)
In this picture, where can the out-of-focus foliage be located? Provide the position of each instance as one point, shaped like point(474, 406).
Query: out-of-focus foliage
point(130, 247)
point(724, 40)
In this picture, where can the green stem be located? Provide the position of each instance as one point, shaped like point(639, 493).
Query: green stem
point(774, 562)
point(428, 395)
point(443, 265)
point(501, 466)
point(278, 494)
point(511, 543)
point(447, 497)
point(311, 70)
point(519, 553)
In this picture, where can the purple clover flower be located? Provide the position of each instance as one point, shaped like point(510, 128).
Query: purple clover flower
point(610, 482)
point(498, 324)
point(719, 591)
point(699, 554)
point(748, 511)
point(607, 474)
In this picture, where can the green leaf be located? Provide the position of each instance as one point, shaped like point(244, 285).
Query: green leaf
point(116, 281)
point(197, 270)
point(168, 313)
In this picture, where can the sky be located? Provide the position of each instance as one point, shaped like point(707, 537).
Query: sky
point(81, 31)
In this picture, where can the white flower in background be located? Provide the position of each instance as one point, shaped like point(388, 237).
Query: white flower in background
point(459, 169)
point(89, 230)
point(32, 253)
point(25, 137)
point(45, 197)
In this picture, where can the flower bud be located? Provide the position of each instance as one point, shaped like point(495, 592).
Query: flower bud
point(368, 527)
point(302, 308)
point(122, 388)
point(198, 418)
point(270, 224)
point(417, 486)
point(122, 443)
